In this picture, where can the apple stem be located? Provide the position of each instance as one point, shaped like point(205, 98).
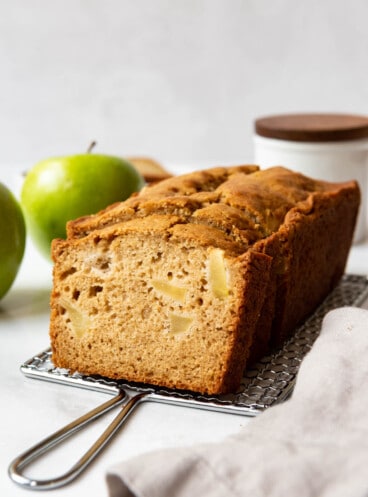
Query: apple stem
point(91, 146)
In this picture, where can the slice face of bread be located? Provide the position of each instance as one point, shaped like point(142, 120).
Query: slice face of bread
point(154, 301)
point(195, 277)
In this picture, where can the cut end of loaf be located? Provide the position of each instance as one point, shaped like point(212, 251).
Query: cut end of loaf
point(147, 308)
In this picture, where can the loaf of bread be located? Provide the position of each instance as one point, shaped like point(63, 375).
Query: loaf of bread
point(195, 277)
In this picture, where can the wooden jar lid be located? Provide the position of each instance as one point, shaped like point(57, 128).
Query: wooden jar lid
point(313, 127)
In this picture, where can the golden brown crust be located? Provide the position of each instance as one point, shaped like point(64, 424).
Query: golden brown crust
point(309, 254)
point(170, 192)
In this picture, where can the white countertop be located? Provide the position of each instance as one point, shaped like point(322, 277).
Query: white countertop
point(31, 409)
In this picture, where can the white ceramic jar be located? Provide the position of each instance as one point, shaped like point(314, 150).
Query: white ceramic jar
point(332, 147)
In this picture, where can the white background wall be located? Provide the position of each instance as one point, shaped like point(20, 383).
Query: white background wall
point(178, 80)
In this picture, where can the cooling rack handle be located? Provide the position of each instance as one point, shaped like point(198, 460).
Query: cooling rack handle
point(22, 461)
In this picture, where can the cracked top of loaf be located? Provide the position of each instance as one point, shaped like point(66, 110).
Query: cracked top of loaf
point(242, 203)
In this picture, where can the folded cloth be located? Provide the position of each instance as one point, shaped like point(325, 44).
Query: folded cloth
point(314, 444)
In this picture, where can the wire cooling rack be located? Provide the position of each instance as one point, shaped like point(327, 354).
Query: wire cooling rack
point(270, 381)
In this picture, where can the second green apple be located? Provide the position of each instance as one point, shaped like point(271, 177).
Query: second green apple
point(60, 189)
point(12, 238)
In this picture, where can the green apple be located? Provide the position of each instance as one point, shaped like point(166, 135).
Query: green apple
point(60, 189)
point(12, 238)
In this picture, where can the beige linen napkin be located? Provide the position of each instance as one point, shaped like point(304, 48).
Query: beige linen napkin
point(315, 444)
